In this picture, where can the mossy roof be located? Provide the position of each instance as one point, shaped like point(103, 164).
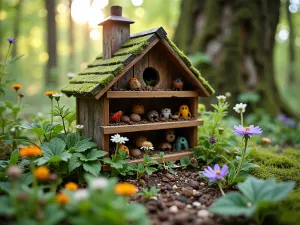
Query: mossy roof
point(101, 71)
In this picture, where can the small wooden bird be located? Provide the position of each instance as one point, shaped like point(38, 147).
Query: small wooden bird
point(116, 116)
point(135, 84)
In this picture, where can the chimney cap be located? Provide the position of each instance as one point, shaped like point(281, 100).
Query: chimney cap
point(116, 16)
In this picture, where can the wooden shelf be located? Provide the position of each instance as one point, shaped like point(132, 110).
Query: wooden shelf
point(150, 126)
point(170, 157)
point(152, 94)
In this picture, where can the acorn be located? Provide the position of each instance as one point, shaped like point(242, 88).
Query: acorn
point(135, 117)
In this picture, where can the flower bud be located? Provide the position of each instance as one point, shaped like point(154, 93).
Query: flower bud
point(21, 95)
point(53, 177)
point(193, 160)
point(221, 130)
point(14, 172)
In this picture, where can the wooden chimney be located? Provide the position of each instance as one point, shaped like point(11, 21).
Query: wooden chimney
point(116, 31)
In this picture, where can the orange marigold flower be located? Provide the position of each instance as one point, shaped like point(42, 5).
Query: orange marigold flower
point(30, 151)
point(62, 198)
point(16, 86)
point(71, 186)
point(49, 93)
point(124, 148)
point(126, 189)
point(266, 140)
point(41, 173)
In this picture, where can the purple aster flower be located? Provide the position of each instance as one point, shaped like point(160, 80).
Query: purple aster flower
point(212, 140)
point(217, 173)
point(249, 131)
point(281, 117)
point(11, 40)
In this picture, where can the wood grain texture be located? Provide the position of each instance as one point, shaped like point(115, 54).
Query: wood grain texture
point(98, 120)
point(123, 83)
point(116, 78)
point(151, 94)
point(158, 61)
point(187, 72)
point(150, 126)
point(139, 67)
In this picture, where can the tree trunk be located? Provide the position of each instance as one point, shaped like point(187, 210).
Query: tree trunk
point(292, 63)
point(71, 42)
point(50, 76)
point(238, 35)
point(17, 26)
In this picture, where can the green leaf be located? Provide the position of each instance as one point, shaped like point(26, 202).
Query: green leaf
point(232, 204)
point(84, 145)
point(150, 170)
point(14, 157)
point(74, 163)
point(5, 206)
point(91, 155)
point(71, 139)
point(14, 59)
point(107, 161)
point(92, 167)
point(185, 161)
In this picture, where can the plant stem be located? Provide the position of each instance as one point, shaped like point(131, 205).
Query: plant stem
point(242, 119)
point(220, 187)
point(62, 118)
point(5, 61)
point(51, 113)
point(35, 189)
point(246, 137)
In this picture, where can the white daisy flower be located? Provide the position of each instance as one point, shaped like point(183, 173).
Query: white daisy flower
point(146, 148)
point(240, 108)
point(221, 98)
point(99, 183)
point(79, 126)
point(118, 139)
point(81, 194)
point(57, 95)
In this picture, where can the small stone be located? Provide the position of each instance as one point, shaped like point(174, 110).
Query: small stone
point(203, 213)
point(158, 184)
point(188, 192)
point(177, 193)
point(194, 192)
point(142, 182)
point(182, 199)
point(135, 117)
point(181, 218)
point(153, 198)
point(173, 209)
point(135, 152)
point(188, 206)
point(125, 119)
point(164, 179)
point(197, 204)
point(202, 184)
point(163, 216)
point(170, 177)
point(175, 187)
point(169, 187)
point(194, 184)
point(179, 204)
point(160, 204)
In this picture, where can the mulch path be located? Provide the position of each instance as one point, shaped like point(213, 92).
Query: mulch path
point(184, 199)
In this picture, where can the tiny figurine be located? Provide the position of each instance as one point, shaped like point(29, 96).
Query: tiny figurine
point(165, 114)
point(135, 152)
point(184, 112)
point(147, 146)
point(165, 146)
point(138, 108)
point(153, 116)
point(135, 117)
point(177, 84)
point(139, 141)
point(170, 135)
point(181, 143)
point(175, 117)
point(116, 116)
point(125, 119)
point(124, 148)
point(135, 84)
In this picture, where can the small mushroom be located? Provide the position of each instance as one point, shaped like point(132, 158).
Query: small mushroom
point(165, 146)
point(139, 141)
point(135, 117)
point(135, 152)
point(125, 119)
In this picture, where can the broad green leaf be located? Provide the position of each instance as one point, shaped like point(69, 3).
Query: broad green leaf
point(150, 170)
point(117, 165)
point(232, 204)
point(92, 167)
point(14, 157)
point(5, 208)
point(91, 155)
point(84, 145)
point(71, 139)
point(107, 160)
point(74, 163)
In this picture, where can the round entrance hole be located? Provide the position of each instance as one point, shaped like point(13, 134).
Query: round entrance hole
point(150, 76)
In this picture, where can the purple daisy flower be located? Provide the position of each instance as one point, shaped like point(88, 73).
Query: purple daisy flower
point(11, 40)
point(217, 173)
point(212, 140)
point(249, 131)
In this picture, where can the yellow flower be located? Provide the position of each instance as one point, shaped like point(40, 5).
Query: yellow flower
point(126, 189)
point(124, 148)
point(16, 86)
point(71, 186)
point(30, 151)
point(62, 198)
point(49, 93)
point(41, 173)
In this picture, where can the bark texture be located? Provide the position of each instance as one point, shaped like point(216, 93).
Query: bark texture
point(238, 35)
point(50, 78)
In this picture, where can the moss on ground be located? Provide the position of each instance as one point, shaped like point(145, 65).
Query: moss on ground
point(284, 166)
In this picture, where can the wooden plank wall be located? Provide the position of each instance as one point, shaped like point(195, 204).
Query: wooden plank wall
point(92, 114)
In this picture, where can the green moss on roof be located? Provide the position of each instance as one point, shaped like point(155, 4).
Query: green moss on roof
point(101, 72)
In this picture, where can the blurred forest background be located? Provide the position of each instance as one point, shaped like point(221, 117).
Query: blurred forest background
point(249, 48)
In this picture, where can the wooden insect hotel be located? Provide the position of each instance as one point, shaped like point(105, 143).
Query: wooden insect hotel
point(142, 87)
